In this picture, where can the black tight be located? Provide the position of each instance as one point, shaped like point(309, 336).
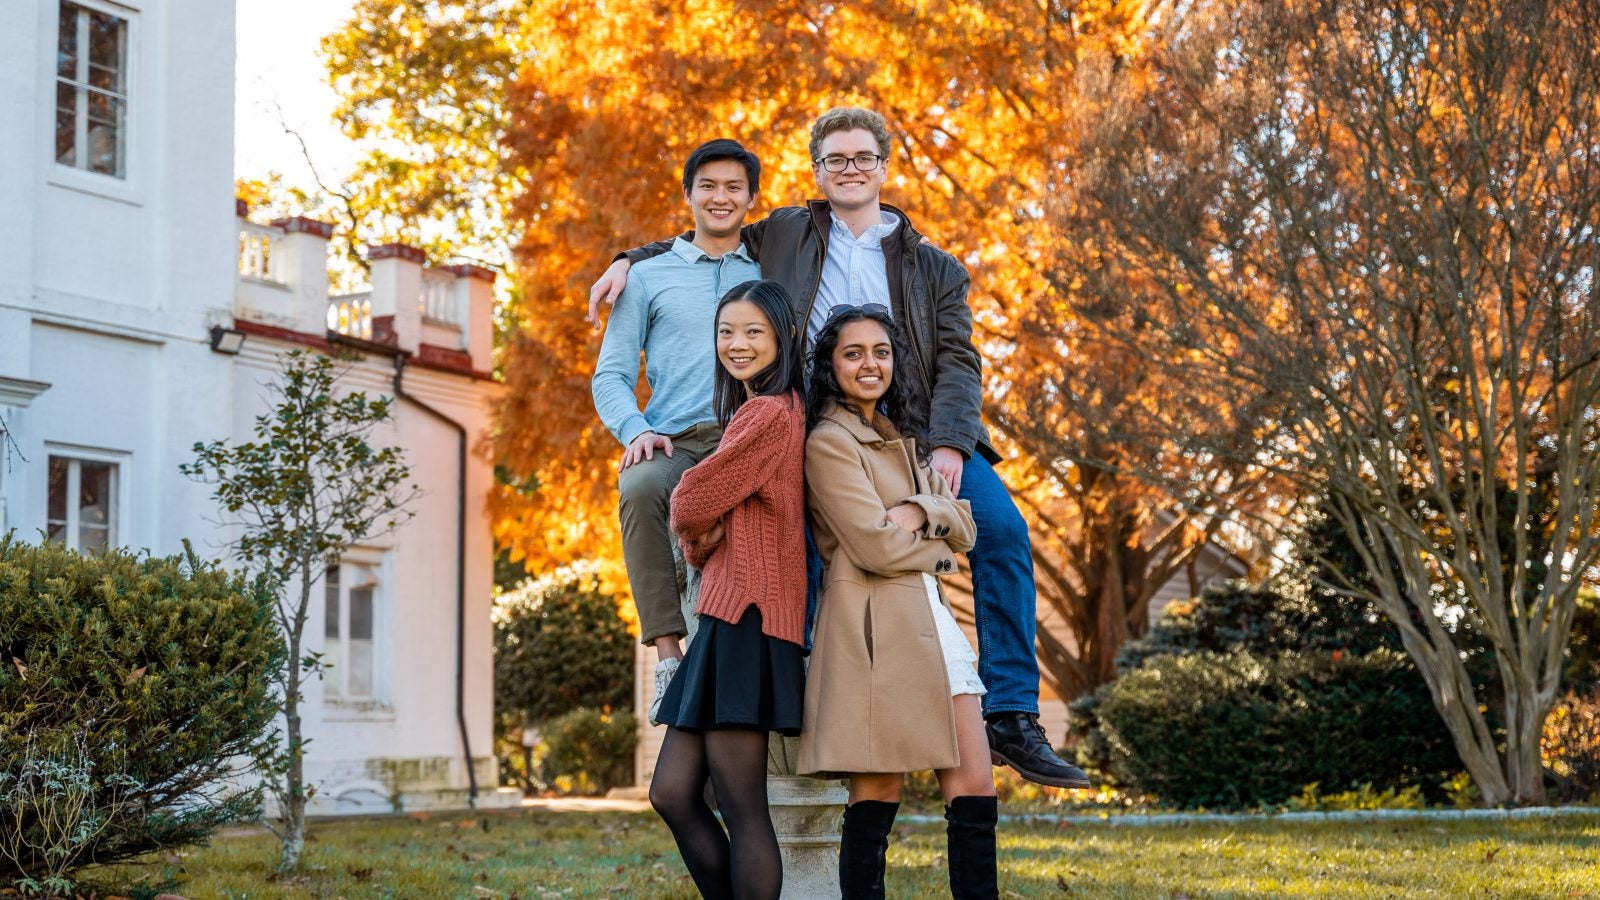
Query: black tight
point(742, 862)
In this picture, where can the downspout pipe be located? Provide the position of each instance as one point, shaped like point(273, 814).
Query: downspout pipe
point(461, 567)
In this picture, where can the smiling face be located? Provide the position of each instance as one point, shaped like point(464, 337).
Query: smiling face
point(720, 197)
point(863, 364)
point(746, 345)
point(850, 189)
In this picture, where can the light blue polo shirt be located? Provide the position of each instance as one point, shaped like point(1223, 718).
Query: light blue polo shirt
point(668, 313)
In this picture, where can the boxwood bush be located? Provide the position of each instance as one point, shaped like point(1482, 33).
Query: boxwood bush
point(1237, 730)
point(589, 751)
point(131, 688)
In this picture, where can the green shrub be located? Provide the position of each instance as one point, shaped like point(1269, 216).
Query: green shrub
point(129, 688)
point(1235, 730)
point(559, 649)
point(1571, 746)
point(1362, 798)
point(588, 751)
point(1264, 622)
point(1581, 674)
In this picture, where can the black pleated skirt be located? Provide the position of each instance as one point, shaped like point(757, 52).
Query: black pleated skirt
point(733, 676)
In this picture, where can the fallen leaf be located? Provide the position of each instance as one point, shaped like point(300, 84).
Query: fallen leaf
point(22, 671)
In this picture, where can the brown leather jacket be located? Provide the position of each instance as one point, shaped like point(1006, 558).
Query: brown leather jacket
point(929, 290)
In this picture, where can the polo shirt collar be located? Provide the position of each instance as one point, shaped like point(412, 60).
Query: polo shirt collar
point(690, 253)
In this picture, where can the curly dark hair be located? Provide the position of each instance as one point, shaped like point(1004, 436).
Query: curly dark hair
point(901, 404)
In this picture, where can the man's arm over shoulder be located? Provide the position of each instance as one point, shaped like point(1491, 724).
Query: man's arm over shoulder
point(955, 413)
point(616, 371)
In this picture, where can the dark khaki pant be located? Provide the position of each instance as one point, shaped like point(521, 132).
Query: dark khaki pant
point(645, 490)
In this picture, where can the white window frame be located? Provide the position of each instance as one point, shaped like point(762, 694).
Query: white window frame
point(380, 701)
point(118, 519)
point(125, 188)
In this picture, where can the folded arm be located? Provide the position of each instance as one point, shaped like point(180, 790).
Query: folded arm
point(844, 498)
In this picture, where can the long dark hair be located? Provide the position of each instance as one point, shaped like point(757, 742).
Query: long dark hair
point(779, 378)
point(900, 404)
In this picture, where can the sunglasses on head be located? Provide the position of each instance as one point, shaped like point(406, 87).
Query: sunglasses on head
point(864, 307)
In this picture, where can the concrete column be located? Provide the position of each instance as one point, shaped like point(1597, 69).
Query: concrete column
point(397, 294)
point(474, 296)
point(304, 253)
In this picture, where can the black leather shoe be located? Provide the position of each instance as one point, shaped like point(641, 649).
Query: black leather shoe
point(1018, 740)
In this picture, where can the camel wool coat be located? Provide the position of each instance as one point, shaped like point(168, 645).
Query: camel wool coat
point(877, 696)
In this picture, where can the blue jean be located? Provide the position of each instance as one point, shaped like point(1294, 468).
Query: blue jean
point(1004, 598)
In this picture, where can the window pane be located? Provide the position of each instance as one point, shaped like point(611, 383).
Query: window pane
point(105, 79)
point(330, 603)
point(361, 613)
point(106, 34)
point(66, 124)
point(105, 134)
point(94, 493)
point(93, 537)
point(58, 490)
point(359, 678)
point(67, 41)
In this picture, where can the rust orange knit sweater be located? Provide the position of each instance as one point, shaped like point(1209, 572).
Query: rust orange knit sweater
point(756, 479)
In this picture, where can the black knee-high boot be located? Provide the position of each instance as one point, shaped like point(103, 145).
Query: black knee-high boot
point(969, 830)
point(862, 844)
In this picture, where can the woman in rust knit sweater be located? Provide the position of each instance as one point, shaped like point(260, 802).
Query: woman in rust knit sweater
point(740, 518)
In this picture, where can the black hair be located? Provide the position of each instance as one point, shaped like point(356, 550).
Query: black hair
point(784, 374)
point(722, 148)
point(901, 404)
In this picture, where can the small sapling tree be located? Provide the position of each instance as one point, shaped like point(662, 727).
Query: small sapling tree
point(309, 486)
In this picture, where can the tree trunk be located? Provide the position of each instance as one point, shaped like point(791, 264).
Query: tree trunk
point(293, 793)
point(1526, 711)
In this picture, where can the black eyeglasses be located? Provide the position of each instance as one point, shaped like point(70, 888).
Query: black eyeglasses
point(866, 162)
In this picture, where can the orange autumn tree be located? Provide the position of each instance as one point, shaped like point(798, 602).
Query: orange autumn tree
point(596, 122)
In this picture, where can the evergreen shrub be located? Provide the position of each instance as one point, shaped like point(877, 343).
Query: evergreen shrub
point(131, 687)
point(589, 751)
point(558, 648)
point(1235, 730)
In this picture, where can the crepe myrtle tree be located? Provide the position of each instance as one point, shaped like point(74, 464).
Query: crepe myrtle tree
point(1368, 232)
point(310, 484)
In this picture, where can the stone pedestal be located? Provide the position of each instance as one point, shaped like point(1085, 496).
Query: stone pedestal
point(806, 814)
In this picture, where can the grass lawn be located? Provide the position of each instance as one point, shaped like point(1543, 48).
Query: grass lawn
point(544, 854)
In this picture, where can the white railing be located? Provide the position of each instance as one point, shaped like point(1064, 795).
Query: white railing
point(438, 301)
point(258, 252)
point(351, 315)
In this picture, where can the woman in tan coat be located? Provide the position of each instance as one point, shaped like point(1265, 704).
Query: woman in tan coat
point(892, 686)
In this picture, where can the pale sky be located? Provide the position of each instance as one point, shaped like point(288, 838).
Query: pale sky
point(278, 64)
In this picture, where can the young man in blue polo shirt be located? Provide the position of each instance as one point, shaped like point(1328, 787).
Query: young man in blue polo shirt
point(666, 312)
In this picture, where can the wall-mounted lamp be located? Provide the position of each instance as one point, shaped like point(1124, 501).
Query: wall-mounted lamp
point(226, 340)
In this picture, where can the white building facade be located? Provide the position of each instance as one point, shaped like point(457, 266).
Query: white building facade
point(141, 311)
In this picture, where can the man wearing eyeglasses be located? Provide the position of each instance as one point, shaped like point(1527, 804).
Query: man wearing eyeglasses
point(851, 248)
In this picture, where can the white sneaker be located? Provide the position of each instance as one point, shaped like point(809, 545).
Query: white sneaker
point(664, 672)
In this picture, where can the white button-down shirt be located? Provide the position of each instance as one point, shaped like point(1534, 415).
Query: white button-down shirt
point(853, 271)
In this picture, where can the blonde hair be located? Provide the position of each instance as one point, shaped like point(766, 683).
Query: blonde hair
point(849, 118)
